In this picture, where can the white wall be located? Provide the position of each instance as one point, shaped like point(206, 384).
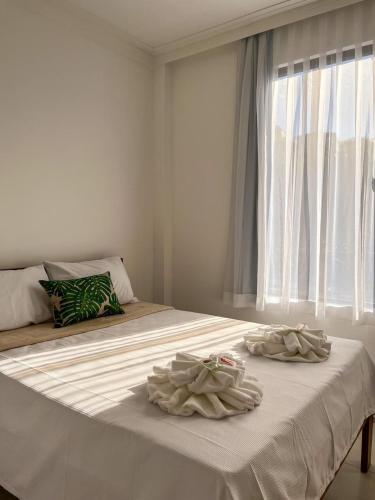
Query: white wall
point(75, 147)
point(202, 122)
point(203, 97)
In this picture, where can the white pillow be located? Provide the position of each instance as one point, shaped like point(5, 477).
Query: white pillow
point(22, 300)
point(119, 276)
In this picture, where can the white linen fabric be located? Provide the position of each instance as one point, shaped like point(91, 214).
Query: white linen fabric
point(316, 167)
point(75, 421)
point(22, 300)
point(119, 276)
point(214, 387)
point(287, 343)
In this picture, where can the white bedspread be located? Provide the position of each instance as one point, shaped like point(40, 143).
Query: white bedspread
point(77, 425)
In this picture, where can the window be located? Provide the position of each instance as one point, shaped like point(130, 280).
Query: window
point(319, 240)
point(302, 225)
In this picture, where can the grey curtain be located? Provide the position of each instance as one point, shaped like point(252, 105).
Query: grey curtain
point(253, 77)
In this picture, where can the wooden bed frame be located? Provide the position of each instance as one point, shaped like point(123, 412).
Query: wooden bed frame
point(366, 430)
point(366, 448)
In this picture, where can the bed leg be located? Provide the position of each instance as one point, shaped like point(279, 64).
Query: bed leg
point(366, 444)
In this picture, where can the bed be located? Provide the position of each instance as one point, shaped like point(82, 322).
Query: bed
point(75, 422)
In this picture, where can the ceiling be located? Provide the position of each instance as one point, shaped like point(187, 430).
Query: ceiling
point(157, 23)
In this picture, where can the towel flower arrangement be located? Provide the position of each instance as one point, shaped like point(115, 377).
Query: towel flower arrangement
point(287, 343)
point(215, 387)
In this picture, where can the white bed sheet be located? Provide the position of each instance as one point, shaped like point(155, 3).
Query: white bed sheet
point(85, 430)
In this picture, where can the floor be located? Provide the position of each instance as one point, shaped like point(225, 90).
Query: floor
point(350, 483)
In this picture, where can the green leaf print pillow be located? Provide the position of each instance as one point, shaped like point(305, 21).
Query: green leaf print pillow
point(81, 299)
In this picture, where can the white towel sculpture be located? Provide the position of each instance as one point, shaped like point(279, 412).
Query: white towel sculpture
point(215, 387)
point(286, 343)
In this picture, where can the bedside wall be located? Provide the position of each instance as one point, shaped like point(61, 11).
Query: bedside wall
point(75, 147)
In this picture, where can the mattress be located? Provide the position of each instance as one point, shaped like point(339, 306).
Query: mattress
point(75, 422)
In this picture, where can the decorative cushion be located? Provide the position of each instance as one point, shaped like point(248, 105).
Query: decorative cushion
point(82, 299)
point(119, 276)
point(22, 302)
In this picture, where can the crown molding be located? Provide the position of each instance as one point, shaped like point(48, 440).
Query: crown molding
point(83, 23)
point(104, 33)
point(239, 22)
point(279, 14)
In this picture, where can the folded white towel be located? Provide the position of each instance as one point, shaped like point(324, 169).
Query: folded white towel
point(215, 387)
point(286, 343)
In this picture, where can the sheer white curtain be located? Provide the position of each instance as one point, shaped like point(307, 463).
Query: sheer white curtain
point(316, 168)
